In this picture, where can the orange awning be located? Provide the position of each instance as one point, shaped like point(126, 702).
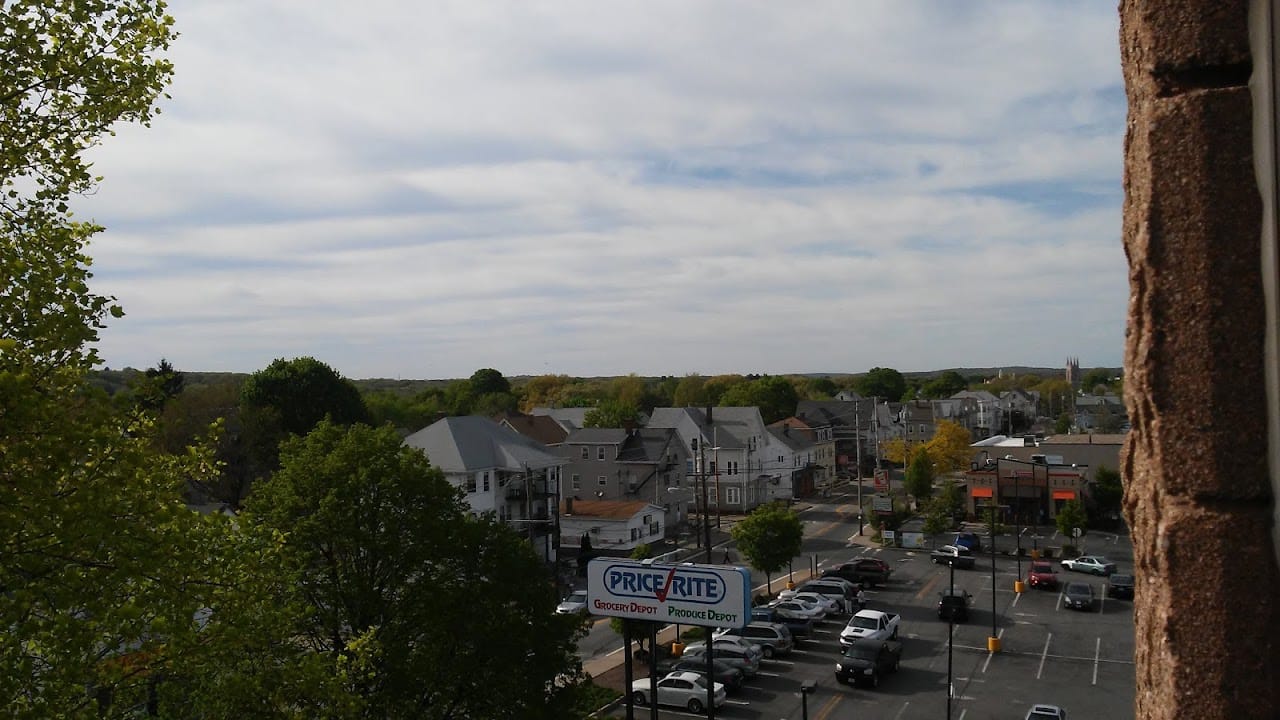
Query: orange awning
point(982, 492)
point(1064, 494)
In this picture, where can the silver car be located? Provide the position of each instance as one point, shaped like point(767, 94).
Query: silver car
point(734, 655)
point(774, 639)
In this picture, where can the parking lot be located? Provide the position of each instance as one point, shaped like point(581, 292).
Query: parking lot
point(1082, 661)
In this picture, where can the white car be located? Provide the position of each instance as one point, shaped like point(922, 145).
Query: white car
point(799, 609)
point(826, 602)
point(681, 689)
point(1095, 564)
point(575, 603)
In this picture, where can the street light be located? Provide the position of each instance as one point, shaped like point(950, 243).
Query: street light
point(993, 642)
point(951, 633)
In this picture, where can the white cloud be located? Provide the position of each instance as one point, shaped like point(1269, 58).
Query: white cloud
point(598, 188)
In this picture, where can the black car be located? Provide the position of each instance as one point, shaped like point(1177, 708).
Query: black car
point(863, 571)
point(726, 674)
point(1120, 586)
point(954, 606)
point(1078, 596)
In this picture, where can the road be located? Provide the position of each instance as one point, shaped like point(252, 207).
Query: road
point(1082, 661)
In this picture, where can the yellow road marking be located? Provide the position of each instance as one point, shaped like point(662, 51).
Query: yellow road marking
point(928, 587)
point(830, 707)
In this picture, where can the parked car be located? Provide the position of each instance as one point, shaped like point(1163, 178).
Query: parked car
point(796, 607)
point(844, 594)
point(1078, 596)
point(680, 689)
point(575, 603)
point(826, 602)
point(1095, 564)
point(1042, 575)
point(799, 627)
point(969, 540)
point(863, 571)
point(1120, 586)
point(954, 555)
point(1046, 712)
point(731, 655)
point(864, 661)
point(725, 674)
point(954, 606)
point(774, 639)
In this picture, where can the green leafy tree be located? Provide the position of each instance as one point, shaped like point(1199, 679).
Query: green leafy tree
point(404, 584)
point(1098, 378)
point(1070, 517)
point(769, 538)
point(159, 385)
point(1108, 493)
point(945, 385)
point(919, 477)
point(775, 396)
point(715, 387)
point(488, 380)
point(691, 392)
point(943, 508)
point(1062, 425)
point(882, 383)
point(304, 391)
point(612, 414)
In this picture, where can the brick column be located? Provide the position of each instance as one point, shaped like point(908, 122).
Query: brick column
point(1197, 491)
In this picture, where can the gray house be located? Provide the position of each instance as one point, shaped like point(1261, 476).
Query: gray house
point(727, 447)
point(637, 464)
point(501, 471)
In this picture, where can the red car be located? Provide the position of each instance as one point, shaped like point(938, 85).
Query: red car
point(1043, 575)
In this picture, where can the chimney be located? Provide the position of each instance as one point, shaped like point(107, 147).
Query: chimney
point(709, 415)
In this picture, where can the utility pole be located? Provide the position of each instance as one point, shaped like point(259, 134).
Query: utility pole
point(706, 514)
point(857, 438)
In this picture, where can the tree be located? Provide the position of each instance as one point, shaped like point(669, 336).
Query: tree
point(612, 414)
point(945, 385)
point(716, 387)
point(883, 383)
point(769, 538)
point(920, 474)
point(1108, 494)
point(950, 447)
point(402, 583)
point(543, 390)
point(691, 392)
point(775, 396)
point(942, 509)
point(1096, 377)
point(159, 385)
point(488, 380)
point(1070, 517)
point(304, 391)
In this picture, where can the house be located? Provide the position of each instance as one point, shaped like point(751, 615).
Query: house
point(542, 428)
point(1100, 413)
point(986, 415)
point(849, 425)
point(616, 527)
point(501, 471)
point(619, 464)
point(568, 418)
point(726, 449)
point(812, 453)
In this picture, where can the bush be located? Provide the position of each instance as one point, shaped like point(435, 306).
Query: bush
point(693, 634)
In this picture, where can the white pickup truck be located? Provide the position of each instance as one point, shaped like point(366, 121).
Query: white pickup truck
point(870, 624)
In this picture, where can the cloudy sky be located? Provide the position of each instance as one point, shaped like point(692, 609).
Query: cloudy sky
point(417, 190)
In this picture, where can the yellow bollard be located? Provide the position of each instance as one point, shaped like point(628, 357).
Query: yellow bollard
point(677, 649)
point(1035, 554)
point(1019, 586)
point(791, 585)
point(993, 644)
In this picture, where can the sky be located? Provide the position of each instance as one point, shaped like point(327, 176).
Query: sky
point(419, 190)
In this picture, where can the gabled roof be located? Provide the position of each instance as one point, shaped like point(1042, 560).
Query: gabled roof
point(648, 445)
point(607, 509)
point(979, 395)
point(569, 418)
point(542, 428)
point(596, 436)
point(465, 444)
point(730, 427)
point(796, 439)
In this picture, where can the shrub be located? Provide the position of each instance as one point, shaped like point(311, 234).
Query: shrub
point(693, 634)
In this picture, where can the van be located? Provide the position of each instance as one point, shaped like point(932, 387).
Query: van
point(774, 639)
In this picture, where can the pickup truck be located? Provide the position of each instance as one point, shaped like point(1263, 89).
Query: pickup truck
point(954, 555)
point(866, 660)
point(870, 625)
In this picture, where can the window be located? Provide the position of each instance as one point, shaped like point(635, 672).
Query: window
point(713, 467)
point(586, 453)
point(486, 481)
point(635, 533)
point(471, 483)
point(733, 496)
point(711, 496)
point(655, 528)
point(600, 453)
point(648, 519)
point(732, 466)
point(603, 480)
point(576, 479)
point(781, 458)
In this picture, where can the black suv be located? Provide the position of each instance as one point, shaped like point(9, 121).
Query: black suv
point(954, 606)
point(1120, 586)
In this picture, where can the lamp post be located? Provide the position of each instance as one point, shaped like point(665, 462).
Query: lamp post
point(706, 514)
point(805, 689)
point(951, 633)
point(993, 642)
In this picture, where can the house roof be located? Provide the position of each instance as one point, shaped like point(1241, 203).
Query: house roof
point(730, 427)
point(797, 439)
point(647, 445)
point(569, 418)
point(463, 444)
point(597, 436)
point(607, 509)
point(542, 428)
point(836, 412)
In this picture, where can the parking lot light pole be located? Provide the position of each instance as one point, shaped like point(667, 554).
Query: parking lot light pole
point(805, 689)
point(993, 642)
point(951, 633)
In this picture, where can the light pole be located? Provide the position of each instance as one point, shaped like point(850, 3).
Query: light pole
point(993, 642)
point(706, 514)
point(951, 633)
point(805, 689)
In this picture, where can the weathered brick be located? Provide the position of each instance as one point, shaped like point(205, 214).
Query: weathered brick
point(1173, 36)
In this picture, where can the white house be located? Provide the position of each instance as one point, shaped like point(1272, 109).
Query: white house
point(616, 527)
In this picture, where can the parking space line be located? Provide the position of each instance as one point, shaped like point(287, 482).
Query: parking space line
point(1044, 654)
point(904, 709)
point(962, 712)
point(1097, 649)
point(991, 654)
point(1016, 598)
